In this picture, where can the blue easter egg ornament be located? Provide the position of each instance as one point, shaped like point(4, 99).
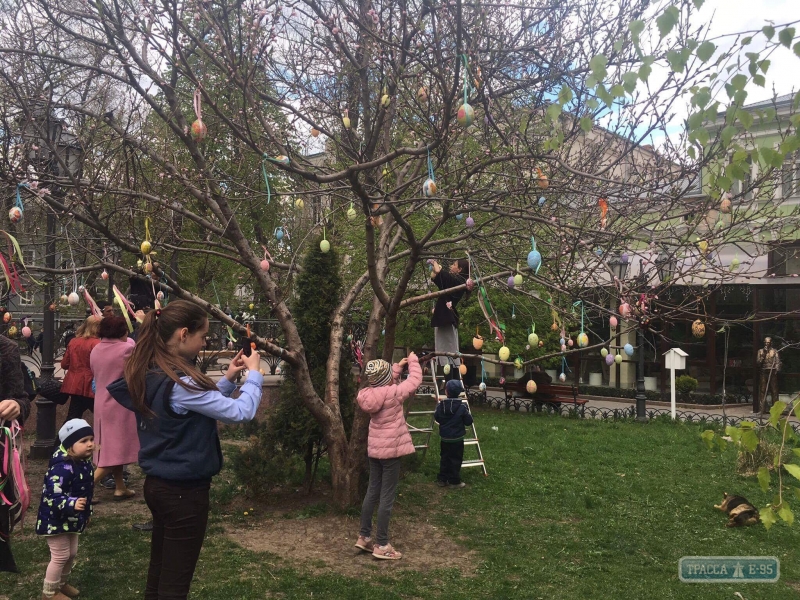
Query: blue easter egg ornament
point(628, 349)
point(534, 259)
point(541, 201)
point(279, 234)
point(459, 216)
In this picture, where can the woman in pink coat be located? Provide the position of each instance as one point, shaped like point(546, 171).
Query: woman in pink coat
point(116, 439)
point(388, 441)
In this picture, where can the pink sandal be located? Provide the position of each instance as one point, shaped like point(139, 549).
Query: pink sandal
point(386, 552)
point(365, 544)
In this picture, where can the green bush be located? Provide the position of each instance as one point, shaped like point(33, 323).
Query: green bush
point(290, 440)
point(685, 384)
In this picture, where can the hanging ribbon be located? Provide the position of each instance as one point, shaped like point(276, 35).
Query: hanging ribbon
point(583, 312)
point(147, 229)
point(564, 366)
point(264, 160)
point(483, 371)
point(430, 168)
point(19, 197)
point(92, 304)
point(125, 306)
point(466, 76)
point(198, 106)
point(513, 311)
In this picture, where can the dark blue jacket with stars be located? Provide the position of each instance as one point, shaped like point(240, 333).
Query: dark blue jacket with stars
point(67, 479)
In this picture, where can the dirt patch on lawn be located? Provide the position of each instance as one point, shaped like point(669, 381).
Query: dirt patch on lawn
point(325, 543)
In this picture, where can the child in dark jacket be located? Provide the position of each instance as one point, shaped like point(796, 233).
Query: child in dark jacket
point(66, 505)
point(453, 416)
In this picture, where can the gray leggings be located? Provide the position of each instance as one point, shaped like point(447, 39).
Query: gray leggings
point(383, 476)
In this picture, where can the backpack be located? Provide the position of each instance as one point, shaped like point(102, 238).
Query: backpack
point(14, 491)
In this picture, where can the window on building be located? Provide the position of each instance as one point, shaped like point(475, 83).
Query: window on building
point(26, 299)
point(790, 175)
point(785, 260)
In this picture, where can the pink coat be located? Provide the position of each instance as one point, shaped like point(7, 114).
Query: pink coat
point(388, 432)
point(114, 425)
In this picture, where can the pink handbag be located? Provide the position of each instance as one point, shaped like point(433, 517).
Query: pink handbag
point(14, 491)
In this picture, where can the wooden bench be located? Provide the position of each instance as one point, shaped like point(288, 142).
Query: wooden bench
point(551, 394)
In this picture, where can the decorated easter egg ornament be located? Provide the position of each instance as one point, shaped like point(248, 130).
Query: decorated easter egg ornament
point(518, 279)
point(534, 257)
point(314, 132)
point(279, 233)
point(735, 263)
point(518, 363)
point(73, 299)
point(351, 213)
point(422, 94)
point(26, 332)
point(15, 214)
point(698, 329)
point(470, 222)
point(104, 275)
point(542, 181)
point(603, 352)
point(324, 245)
point(504, 353)
point(160, 296)
point(6, 317)
point(613, 322)
point(462, 369)
point(531, 386)
point(628, 349)
point(583, 340)
point(618, 358)
point(465, 115)
point(610, 359)
point(511, 282)
point(199, 129)
point(346, 119)
point(446, 369)
point(533, 339)
point(563, 377)
point(725, 203)
point(482, 386)
point(146, 247)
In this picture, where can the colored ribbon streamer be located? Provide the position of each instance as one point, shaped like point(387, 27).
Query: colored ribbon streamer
point(466, 76)
point(198, 106)
point(264, 160)
point(583, 312)
point(430, 167)
point(92, 304)
point(147, 229)
point(125, 305)
point(19, 197)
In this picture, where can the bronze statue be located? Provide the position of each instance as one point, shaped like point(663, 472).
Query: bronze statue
point(769, 363)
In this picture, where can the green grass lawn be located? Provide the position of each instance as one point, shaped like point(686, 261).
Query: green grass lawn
point(571, 509)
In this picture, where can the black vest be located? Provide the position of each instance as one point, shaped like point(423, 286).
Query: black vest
point(174, 446)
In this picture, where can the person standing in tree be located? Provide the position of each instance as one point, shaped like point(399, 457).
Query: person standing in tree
point(445, 316)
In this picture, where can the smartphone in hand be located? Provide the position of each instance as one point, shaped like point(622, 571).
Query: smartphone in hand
point(246, 346)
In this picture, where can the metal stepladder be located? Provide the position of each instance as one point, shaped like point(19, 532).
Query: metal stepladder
point(422, 427)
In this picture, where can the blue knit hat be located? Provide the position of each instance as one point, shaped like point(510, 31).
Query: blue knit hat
point(73, 431)
point(453, 388)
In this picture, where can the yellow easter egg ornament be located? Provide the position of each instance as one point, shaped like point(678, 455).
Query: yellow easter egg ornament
point(146, 247)
point(504, 353)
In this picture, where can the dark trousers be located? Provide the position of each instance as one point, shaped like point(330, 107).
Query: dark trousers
point(79, 405)
point(180, 516)
point(452, 455)
point(383, 477)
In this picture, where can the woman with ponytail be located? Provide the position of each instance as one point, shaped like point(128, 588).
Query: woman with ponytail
point(177, 408)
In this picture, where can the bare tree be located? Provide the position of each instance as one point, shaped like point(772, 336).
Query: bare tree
point(566, 107)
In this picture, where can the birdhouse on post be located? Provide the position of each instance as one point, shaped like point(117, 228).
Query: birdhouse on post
point(674, 358)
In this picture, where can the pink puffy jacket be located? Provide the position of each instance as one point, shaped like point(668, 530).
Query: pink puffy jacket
point(388, 432)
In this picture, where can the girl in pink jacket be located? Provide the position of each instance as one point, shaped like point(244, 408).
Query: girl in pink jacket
point(388, 441)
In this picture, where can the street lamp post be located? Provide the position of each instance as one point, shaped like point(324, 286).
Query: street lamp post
point(619, 268)
point(47, 131)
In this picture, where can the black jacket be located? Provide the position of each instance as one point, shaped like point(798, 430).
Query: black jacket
point(12, 384)
point(452, 416)
point(442, 315)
